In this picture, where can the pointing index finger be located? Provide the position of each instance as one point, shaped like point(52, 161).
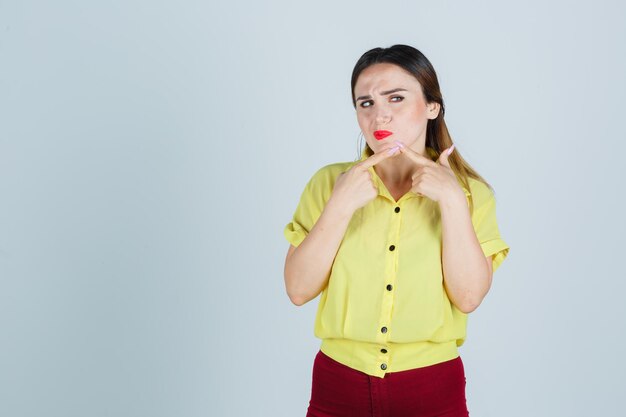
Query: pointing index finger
point(377, 157)
point(419, 159)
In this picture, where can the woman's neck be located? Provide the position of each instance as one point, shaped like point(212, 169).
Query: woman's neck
point(398, 170)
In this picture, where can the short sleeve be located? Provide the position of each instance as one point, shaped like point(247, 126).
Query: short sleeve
point(310, 207)
point(486, 224)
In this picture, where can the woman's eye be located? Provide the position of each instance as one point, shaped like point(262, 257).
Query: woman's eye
point(367, 103)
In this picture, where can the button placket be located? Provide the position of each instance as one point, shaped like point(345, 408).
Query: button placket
point(389, 286)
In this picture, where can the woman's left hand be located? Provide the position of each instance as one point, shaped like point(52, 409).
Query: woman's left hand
point(435, 180)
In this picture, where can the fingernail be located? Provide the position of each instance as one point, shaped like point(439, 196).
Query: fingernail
point(393, 150)
point(400, 144)
point(451, 149)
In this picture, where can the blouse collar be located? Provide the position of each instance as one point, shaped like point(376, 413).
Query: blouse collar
point(381, 186)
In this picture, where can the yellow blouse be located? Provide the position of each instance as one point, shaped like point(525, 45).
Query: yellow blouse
point(385, 308)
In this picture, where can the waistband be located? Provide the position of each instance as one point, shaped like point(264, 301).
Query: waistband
point(377, 359)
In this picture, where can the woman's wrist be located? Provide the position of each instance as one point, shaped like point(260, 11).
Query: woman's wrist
point(453, 200)
point(339, 209)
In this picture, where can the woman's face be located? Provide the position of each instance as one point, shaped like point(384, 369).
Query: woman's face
point(389, 98)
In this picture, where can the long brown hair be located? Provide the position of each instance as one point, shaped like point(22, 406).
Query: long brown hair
point(437, 135)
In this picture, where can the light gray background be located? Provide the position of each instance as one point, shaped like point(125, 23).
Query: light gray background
point(151, 153)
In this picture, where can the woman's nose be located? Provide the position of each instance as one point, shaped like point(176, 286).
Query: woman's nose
point(383, 116)
point(383, 113)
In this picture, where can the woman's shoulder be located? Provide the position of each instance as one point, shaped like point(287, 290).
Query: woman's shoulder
point(327, 174)
point(479, 190)
point(322, 182)
point(476, 185)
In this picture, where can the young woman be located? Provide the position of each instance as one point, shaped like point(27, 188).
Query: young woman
point(402, 245)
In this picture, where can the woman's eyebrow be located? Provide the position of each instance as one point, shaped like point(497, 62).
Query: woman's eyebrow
point(384, 93)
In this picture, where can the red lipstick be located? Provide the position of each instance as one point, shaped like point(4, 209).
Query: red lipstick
point(382, 134)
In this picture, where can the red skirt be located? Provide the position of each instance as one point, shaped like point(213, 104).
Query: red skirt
point(340, 391)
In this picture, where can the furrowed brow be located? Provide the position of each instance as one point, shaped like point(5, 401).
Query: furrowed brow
point(384, 93)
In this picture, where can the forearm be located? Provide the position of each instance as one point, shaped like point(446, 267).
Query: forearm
point(308, 268)
point(466, 273)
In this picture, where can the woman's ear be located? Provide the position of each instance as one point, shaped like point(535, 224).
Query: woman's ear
point(433, 110)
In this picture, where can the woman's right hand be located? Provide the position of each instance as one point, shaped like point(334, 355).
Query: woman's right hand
point(355, 188)
point(308, 267)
